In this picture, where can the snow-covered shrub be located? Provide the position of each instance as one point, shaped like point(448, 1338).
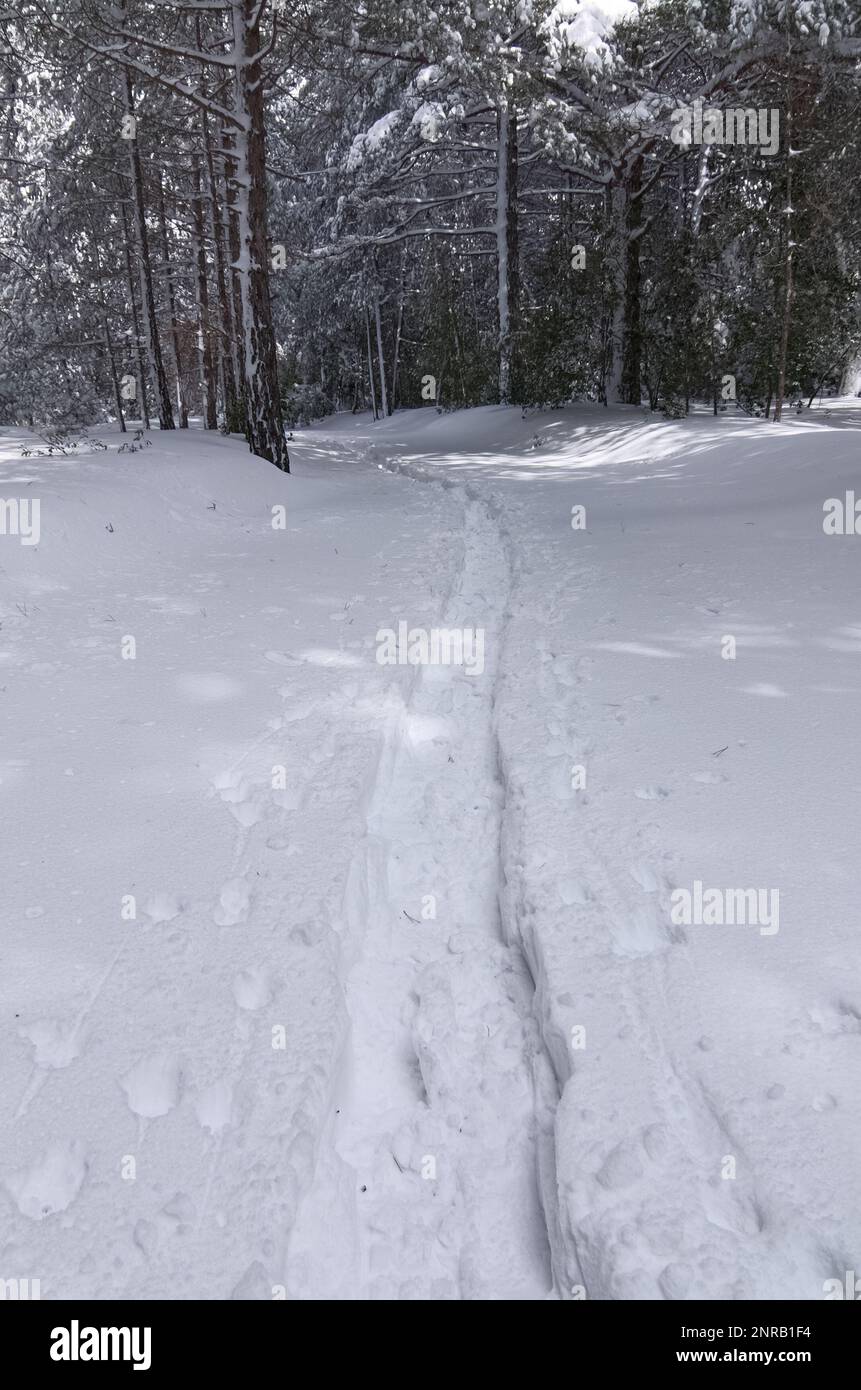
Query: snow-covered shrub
point(674, 406)
point(302, 404)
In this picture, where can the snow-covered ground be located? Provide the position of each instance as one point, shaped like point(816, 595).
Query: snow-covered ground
point(403, 1010)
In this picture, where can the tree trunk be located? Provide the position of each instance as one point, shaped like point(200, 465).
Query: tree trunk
point(384, 394)
point(231, 238)
point(109, 349)
point(224, 348)
point(850, 380)
point(507, 272)
point(632, 333)
point(371, 365)
point(164, 408)
point(145, 420)
point(210, 411)
point(397, 353)
point(788, 269)
point(228, 363)
point(167, 272)
point(625, 376)
point(264, 426)
point(106, 332)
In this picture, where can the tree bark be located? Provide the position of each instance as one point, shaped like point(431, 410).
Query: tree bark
point(115, 381)
point(508, 278)
point(632, 322)
point(264, 426)
point(397, 352)
point(164, 408)
point(384, 394)
point(210, 410)
point(625, 373)
point(234, 295)
point(167, 272)
point(225, 347)
point(371, 365)
point(142, 375)
point(788, 267)
point(106, 332)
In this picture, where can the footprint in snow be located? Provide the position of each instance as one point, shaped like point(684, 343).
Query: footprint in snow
point(56, 1044)
point(152, 1086)
point(571, 891)
point(52, 1184)
point(639, 934)
point(252, 989)
point(645, 875)
point(278, 842)
point(214, 1106)
point(233, 903)
point(237, 792)
point(163, 907)
point(247, 813)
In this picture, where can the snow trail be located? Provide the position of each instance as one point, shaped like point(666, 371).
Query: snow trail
point(428, 1185)
point(632, 1148)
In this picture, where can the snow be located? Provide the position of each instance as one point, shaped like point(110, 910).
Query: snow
point(372, 139)
point(429, 118)
point(585, 25)
point(400, 1009)
point(428, 77)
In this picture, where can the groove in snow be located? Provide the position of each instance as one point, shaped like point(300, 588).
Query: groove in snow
point(427, 1185)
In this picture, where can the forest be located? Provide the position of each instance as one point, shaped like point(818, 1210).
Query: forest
point(258, 213)
point(430, 663)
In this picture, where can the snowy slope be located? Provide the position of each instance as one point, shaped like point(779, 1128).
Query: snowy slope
point(435, 1088)
point(703, 1111)
point(154, 1142)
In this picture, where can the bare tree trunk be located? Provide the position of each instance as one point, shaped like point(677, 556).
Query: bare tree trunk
point(167, 272)
point(142, 375)
point(384, 395)
point(397, 353)
point(788, 264)
point(109, 349)
point(632, 331)
point(506, 243)
point(219, 231)
point(106, 332)
point(210, 411)
point(227, 337)
point(234, 295)
point(153, 345)
point(625, 376)
point(371, 364)
point(264, 426)
point(850, 379)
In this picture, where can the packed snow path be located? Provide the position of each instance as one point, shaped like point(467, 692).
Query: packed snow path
point(432, 1165)
point(399, 1009)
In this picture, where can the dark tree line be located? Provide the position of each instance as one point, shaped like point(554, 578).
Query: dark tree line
point(259, 212)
